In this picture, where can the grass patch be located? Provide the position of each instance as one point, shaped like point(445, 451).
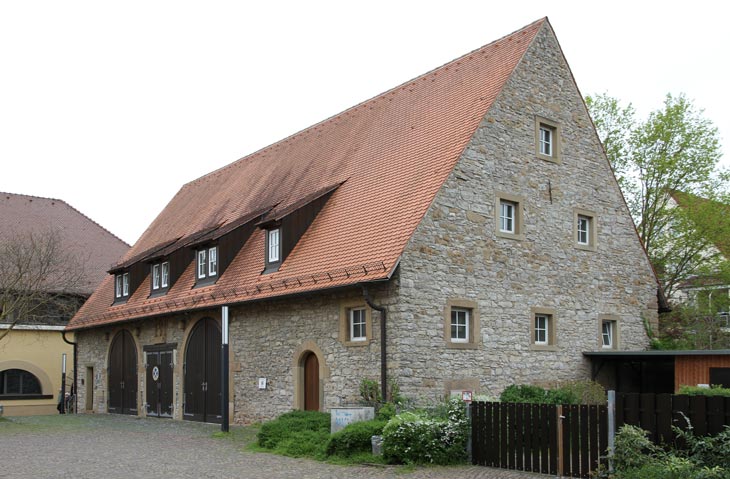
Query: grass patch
point(242, 436)
point(291, 423)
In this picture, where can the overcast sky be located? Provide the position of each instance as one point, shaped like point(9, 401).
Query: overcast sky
point(113, 106)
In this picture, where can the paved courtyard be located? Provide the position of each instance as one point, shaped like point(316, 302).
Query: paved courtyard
point(111, 446)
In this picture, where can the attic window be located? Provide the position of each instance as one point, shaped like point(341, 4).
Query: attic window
point(160, 276)
point(121, 287)
point(207, 265)
point(273, 245)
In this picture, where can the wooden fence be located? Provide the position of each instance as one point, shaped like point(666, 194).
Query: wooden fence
point(563, 440)
point(657, 413)
point(572, 440)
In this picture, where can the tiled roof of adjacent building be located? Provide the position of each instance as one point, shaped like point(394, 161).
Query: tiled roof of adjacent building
point(389, 155)
point(81, 238)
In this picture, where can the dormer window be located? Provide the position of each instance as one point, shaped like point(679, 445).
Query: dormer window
point(207, 264)
point(273, 253)
point(121, 287)
point(160, 276)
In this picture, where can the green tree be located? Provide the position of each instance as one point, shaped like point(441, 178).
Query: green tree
point(675, 151)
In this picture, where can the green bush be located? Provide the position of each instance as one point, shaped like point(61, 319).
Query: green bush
point(571, 392)
point(698, 391)
point(417, 437)
point(709, 451)
point(386, 412)
point(354, 438)
point(306, 443)
point(284, 427)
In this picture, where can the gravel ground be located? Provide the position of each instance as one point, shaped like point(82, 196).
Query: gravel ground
point(112, 446)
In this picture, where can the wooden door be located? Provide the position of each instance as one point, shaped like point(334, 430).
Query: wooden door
point(122, 375)
point(202, 373)
point(159, 383)
point(311, 383)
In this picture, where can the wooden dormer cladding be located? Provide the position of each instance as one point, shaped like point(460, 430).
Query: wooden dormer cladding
point(292, 222)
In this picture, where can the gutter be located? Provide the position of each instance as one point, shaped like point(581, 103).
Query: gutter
point(383, 355)
point(76, 371)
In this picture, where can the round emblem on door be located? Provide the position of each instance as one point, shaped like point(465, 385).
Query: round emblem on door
point(155, 373)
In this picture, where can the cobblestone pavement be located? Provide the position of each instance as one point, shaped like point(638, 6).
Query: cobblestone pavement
point(111, 446)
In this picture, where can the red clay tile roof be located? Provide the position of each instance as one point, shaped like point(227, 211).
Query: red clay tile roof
point(95, 247)
point(391, 155)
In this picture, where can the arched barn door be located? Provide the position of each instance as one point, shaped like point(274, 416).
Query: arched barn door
point(122, 375)
point(203, 373)
point(311, 382)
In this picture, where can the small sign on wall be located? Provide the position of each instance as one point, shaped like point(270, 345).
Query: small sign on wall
point(466, 396)
point(262, 383)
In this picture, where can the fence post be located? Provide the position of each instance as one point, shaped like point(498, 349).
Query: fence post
point(611, 426)
point(559, 422)
point(471, 430)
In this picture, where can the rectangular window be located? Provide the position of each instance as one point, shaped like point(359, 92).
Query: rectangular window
point(584, 230)
point(273, 246)
point(156, 276)
point(201, 264)
point(118, 286)
point(125, 284)
point(542, 329)
point(213, 261)
point(459, 325)
point(507, 216)
point(607, 333)
point(358, 331)
point(165, 280)
point(546, 140)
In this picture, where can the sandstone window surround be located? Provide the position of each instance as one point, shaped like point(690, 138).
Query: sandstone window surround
point(584, 229)
point(509, 216)
point(356, 323)
point(609, 331)
point(547, 139)
point(462, 329)
point(543, 329)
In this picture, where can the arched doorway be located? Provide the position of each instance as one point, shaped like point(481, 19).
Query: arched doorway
point(311, 382)
point(202, 370)
point(123, 375)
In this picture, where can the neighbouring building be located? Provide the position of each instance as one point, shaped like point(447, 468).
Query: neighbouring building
point(31, 345)
point(463, 230)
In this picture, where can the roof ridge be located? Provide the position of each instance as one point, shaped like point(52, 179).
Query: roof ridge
point(2, 193)
point(363, 103)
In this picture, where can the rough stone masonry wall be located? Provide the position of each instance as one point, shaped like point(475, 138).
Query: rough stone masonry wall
point(455, 253)
point(269, 338)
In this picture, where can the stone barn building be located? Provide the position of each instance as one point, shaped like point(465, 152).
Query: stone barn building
point(463, 230)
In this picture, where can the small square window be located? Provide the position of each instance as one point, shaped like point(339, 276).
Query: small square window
point(273, 246)
point(165, 280)
point(509, 216)
point(609, 332)
point(213, 261)
point(543, 330)
point(547, 139)
point(459, 325)
point(356, 328)
point(358, 322)
point(584, 229)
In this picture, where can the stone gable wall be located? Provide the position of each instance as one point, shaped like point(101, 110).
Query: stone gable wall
point(456, 254)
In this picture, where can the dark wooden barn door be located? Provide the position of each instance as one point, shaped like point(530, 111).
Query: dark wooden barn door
point(203, 373)
point(122, 374)
point(159, 383)
point(311, 383)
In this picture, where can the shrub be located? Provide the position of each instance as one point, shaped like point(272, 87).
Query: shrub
point(354, 438)
point(283, 427)
point(416, 437)
point(571, 392)
point(306, 443)
point(632, 448)
point(710, 451)
point(524, 393)
point(386, 412)
point(698, 391)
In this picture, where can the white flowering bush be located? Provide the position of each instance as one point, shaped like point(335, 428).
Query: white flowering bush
point(420, 437)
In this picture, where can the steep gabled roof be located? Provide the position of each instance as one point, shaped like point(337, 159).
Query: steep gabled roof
point(93, 246)
point(389, 155)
